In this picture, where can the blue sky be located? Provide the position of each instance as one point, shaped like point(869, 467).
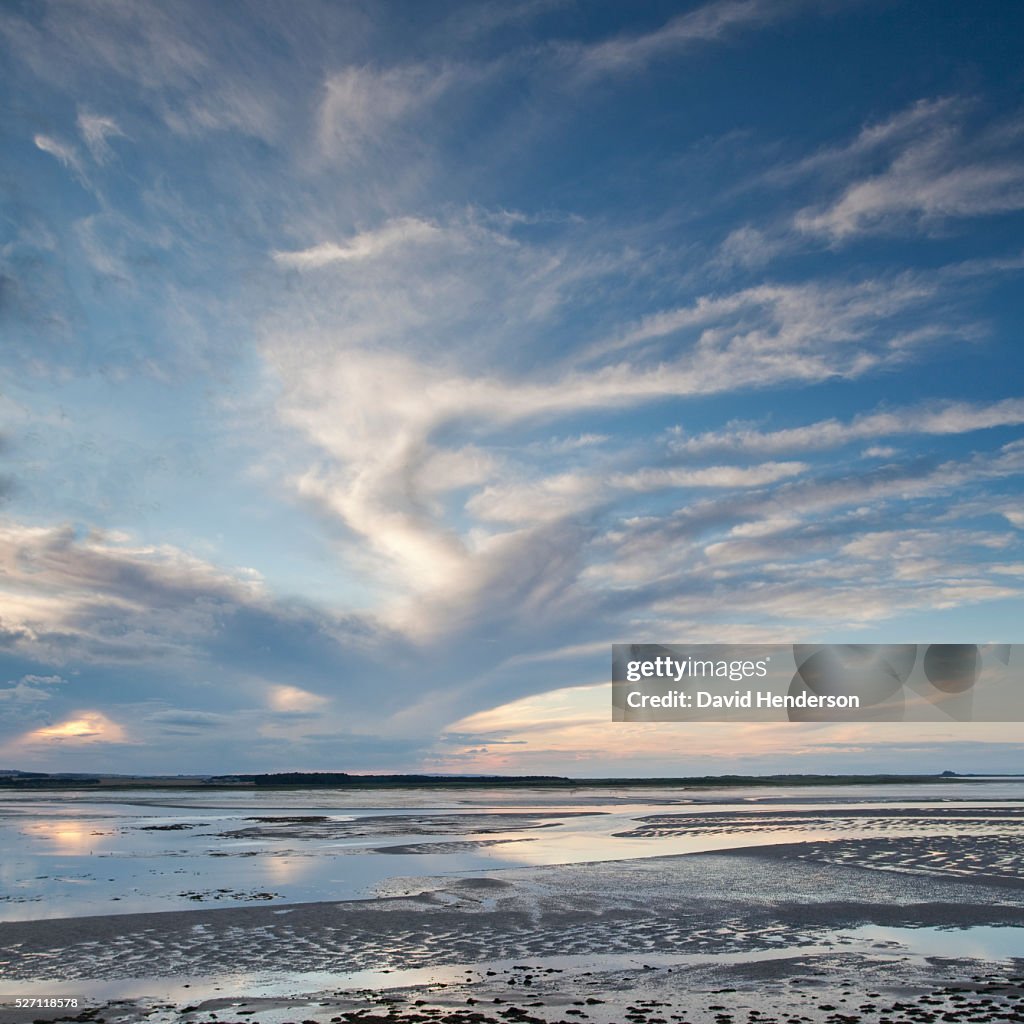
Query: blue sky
point(369, 369)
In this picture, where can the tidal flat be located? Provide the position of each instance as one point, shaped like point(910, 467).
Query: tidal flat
point(846, 903)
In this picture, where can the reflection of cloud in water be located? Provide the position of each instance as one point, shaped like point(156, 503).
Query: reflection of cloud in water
point(74, 838)
point(281, 869)
point(309, 846)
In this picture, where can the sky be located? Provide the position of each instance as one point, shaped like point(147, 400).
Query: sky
point(369, 369)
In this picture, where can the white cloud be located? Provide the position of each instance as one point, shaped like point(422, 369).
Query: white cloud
point(916, 188)
point(704, 24)
point(569, 493)
point(709, 476)
point(570, 444)
point(228, 105)
point(96, 129)
point(940, 419)
point(395, 234)
point(1009, 569)
point(293, 699)
point(362, 105)
point(23, 693)
point(142, 42)
point(937, 171)
point(917, 122)
point(29, 689)
point(853, 543)
point(63, 152)
point(549, 498)
point(373, 413)
point(34, 680)
point(99, 596)
point(766, 324)
point(747, 247)
point(389, 400)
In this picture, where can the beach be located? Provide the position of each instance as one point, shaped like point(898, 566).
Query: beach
point(845, 905)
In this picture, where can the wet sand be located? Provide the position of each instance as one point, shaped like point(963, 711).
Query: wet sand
point(902, 928)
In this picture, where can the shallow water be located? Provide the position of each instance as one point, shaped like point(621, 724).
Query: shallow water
point(81, 853)
point(983, 943)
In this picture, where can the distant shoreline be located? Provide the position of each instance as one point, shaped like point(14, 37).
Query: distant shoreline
point(19, 781)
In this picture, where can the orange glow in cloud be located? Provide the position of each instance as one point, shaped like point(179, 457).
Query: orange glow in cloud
point(293, 698)
point(573, 725)
point(86, 727)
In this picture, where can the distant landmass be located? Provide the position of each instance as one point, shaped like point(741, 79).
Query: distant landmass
point(14, 779)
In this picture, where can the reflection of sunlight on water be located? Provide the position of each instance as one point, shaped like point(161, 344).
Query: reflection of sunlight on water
point(281, 870)
point(984, 942)
point(68, 837)
point(151, 850)
point(592, 847)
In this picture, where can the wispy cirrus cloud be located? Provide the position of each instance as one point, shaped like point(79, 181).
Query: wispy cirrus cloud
point(396, 495)
point(921, 171)
point(567, 494)
point(769, 319)
point(941, 419)
point(96, 130)
point(361, 106)
point(192, 84)
point(402, 312)
point(937, 168)
point(400, 232)
point(63, 152)
point(707, 23)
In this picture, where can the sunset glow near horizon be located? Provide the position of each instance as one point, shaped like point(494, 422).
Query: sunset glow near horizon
point(368, 370)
